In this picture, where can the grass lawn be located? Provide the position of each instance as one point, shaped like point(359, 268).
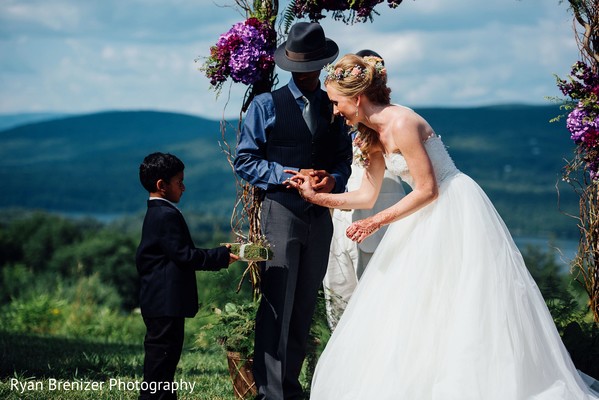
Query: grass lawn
point(43, 367)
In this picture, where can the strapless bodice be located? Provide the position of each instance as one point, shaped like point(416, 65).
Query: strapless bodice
point(443, 165)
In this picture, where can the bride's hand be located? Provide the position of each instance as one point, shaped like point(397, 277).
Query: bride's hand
point(360, 230)
point(302, 183)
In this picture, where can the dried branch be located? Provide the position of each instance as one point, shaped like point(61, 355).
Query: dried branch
point(586, 14)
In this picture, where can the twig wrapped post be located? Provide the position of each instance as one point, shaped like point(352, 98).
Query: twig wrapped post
point(245, 54)
point(582, 172)
point(245, 217)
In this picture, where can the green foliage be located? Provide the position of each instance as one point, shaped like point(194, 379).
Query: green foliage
point(215, 289)
point(88, 285)
point(108, 254)
point(231, 327)
point(35, 239)
point(320, 334)
point(288, 17)
point(557, 287)
point(46, 248)
point(568, 305)
point(86, 309)
point(91, 290)
point(38, 314)
point(15, 281)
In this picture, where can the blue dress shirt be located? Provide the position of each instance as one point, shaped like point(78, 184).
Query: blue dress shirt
point(251, 163)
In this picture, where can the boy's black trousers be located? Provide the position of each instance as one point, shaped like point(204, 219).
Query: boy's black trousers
point(162, 344)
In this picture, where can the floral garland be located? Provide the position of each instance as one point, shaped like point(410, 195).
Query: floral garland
point(359, 10)
point(583, 120)
point(339, 73)
point(245, 54)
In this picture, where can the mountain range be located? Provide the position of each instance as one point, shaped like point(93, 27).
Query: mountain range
point(88, 164)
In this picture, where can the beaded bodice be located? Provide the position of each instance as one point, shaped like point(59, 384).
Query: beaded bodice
point(442, 163)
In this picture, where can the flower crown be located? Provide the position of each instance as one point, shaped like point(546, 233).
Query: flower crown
point(339, 73)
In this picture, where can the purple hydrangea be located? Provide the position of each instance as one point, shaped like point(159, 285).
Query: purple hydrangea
point(583, 120)
point(245, 54)
point(582, 126)
point(249, 52)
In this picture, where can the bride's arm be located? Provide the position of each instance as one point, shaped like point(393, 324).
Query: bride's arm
point(425, 190)
point(362, 198)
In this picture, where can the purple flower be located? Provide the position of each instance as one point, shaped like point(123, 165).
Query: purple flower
point(341, 10)
point(245, 54)
point(583, 121)
point(576, 125)
point(582, 84)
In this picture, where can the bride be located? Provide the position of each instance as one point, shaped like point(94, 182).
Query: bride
point(446, 309)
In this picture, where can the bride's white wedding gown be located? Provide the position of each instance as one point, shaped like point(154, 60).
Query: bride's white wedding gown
point(447, 310)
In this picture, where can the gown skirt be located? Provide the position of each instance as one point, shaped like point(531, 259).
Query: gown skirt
point(446, 310)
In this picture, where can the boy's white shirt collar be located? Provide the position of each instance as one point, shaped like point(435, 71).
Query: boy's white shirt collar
point(168, 201)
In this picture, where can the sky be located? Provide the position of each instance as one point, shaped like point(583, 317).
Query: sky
point(73, 56)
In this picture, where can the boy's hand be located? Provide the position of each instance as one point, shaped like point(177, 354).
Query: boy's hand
point(232, 257)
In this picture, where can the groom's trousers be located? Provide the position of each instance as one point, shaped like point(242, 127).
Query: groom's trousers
point(289, 282)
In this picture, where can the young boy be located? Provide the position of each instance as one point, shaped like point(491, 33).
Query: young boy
point(166, 262)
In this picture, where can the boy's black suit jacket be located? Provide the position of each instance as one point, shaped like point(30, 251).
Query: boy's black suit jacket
point(166, 261)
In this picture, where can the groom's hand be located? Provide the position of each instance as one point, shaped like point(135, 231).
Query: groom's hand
point(323, 182)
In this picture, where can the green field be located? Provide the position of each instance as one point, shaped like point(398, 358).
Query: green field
point(44, 367)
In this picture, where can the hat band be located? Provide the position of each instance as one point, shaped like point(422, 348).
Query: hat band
point(313, 55)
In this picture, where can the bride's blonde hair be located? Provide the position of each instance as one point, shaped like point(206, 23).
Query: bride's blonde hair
point(353, 76)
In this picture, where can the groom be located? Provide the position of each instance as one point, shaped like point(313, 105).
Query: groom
point(292, 128)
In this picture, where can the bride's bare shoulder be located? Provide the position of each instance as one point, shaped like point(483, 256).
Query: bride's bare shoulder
point(411, 125)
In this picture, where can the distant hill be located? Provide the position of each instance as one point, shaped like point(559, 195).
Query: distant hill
point(8, 121)
point(89, 163)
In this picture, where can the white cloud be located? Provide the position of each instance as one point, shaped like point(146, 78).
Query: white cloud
point(73, 56)
point(55, 15)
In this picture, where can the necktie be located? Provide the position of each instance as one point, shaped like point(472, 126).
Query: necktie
point(308, 115)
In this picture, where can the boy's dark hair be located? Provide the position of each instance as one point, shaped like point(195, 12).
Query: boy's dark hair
point(158, 166)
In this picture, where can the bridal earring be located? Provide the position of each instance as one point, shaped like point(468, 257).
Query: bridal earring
point(356, 111)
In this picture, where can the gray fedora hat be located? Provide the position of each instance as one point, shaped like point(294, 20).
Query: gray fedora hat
point(306, 49)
